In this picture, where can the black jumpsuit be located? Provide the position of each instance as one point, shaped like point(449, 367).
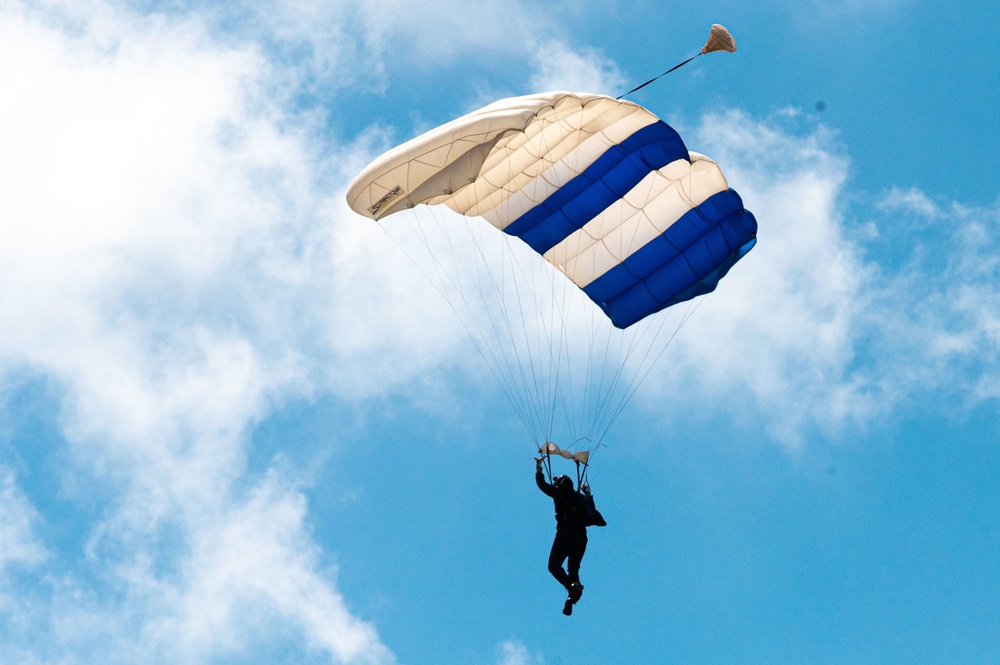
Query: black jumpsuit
point(574, 513)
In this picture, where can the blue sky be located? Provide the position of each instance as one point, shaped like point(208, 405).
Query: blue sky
point(237, 426)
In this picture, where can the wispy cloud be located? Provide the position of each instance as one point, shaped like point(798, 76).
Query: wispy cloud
point(811, 330)
point(514, 653)
point(939, 313)
point(911, 201)
point(559, 67)
point(251, 564)
point(19, 544)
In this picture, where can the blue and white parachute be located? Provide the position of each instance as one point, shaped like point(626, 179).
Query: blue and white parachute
point(603, 189)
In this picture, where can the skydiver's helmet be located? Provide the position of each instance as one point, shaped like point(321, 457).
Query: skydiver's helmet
point(563, 483)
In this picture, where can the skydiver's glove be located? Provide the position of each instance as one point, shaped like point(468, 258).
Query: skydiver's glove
point(586, 489)
point(538, 463)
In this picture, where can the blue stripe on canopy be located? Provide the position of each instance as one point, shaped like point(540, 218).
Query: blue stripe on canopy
point(687, 260)
point(605, 181)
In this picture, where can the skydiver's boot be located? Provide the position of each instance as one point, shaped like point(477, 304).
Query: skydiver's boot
point(575, 592)
point(568, 607)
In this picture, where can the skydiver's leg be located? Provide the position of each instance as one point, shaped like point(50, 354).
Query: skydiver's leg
point(577, 548)
point(557, 555)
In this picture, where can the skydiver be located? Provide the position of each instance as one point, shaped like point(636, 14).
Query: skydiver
point(575, 511)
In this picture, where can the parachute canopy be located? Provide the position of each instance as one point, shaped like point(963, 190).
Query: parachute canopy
point(603, 189)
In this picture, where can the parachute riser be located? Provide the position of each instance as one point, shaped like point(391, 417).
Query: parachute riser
point(581, 475)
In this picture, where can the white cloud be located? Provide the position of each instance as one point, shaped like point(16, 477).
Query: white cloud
point(443, 32)
point(336, 44)
point(558, 67)
point(184, 261)
point(391, 326)
point(19, 545)
point(250, 563)
point(511, 652)
point(940, 310)
point(779, 334)
point(167, 233)
point(808, 330)
point(911, 201)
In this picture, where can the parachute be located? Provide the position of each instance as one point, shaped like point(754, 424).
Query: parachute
point(603, 189)
point(584, 195)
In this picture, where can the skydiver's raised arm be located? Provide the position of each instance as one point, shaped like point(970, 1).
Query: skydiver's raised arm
point(540, 479)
